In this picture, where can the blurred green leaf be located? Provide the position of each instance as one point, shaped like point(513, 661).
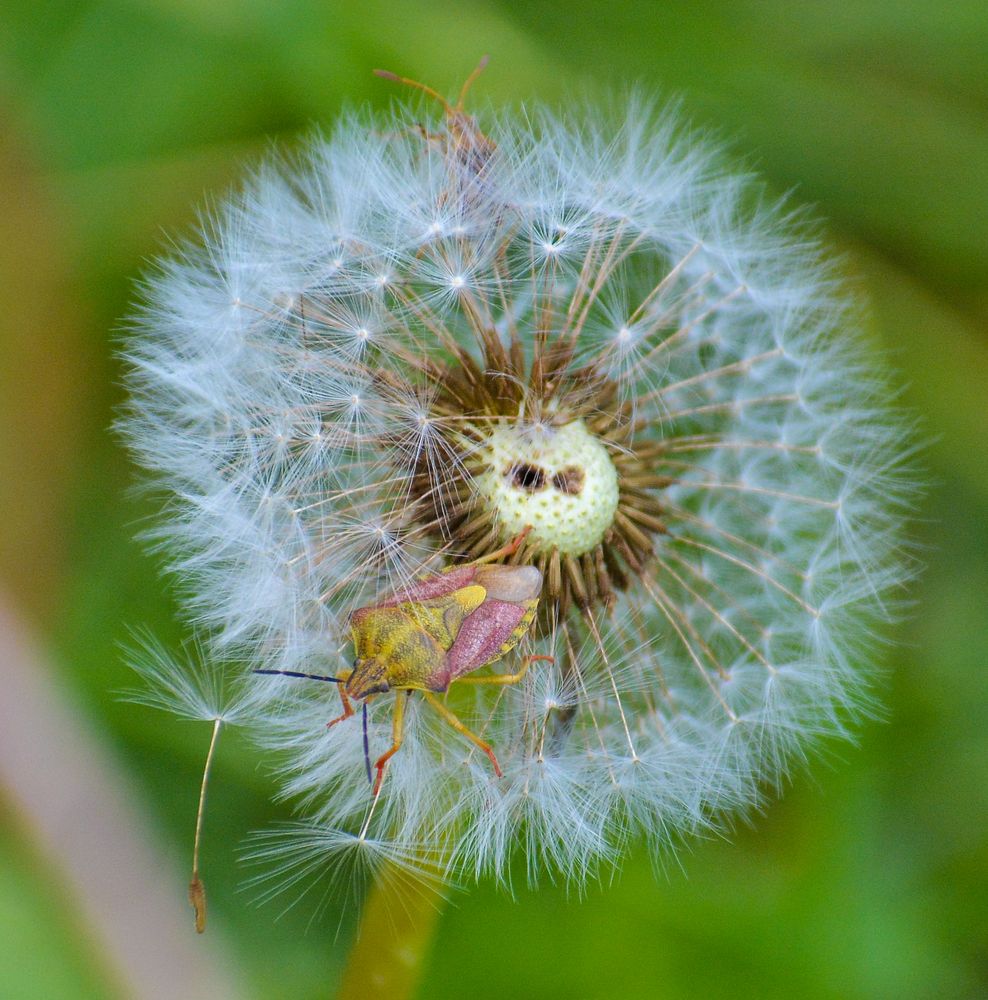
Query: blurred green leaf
point(44, 954)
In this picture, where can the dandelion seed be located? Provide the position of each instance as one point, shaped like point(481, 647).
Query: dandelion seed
point(574, 328)
point(203, 693)
point(192, 687)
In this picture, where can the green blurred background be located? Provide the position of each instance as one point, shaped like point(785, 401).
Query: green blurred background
point(868, 879)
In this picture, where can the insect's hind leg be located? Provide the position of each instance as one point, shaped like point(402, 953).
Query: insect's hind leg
point(453, 721)
point(505, 679)
point(397, 737)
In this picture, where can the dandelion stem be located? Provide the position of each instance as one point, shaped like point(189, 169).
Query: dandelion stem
point(396, 929)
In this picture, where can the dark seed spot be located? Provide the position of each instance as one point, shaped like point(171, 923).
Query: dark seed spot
point(529, 478)
point(569, 480)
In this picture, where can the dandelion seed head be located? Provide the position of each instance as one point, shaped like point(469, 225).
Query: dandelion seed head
point(424, 340)
point(559, 481)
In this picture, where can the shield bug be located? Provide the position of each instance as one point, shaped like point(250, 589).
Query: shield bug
point(434, 633)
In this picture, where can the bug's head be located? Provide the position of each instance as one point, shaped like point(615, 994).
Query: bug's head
point(369, 677)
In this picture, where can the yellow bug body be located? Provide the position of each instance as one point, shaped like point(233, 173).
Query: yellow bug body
point(433, 633)
point(427, 636)
point(401, 645)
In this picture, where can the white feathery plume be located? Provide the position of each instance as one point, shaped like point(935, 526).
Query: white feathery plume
point(387, 357)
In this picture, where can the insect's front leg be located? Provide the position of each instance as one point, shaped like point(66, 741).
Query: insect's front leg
point(397, 736)
point(348, 708)
point(506, 550)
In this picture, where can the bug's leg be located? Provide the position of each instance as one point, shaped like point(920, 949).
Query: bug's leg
point(506, 678)
point(348, 709)
point(506, 550)
point(397, 735)
point(468, 83)
point(460, 728)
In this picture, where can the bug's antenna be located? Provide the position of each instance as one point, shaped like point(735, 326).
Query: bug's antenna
point(197, 891)
point(370, 777)
point(295, 673)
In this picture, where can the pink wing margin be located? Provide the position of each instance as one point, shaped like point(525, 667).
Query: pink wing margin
point(432, 586)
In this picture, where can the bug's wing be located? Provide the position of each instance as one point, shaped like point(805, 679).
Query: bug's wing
point(516, 584)
point(429, 587)
point(442, 617)
point(485, 636)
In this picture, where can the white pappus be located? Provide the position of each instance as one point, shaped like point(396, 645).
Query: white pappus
point(394, 353)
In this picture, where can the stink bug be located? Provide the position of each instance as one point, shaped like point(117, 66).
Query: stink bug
point(433, 633)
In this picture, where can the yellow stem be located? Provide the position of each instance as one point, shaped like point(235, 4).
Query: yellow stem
point(396, 927)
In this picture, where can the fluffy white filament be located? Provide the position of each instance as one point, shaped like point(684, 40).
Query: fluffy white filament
point(280, 391)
